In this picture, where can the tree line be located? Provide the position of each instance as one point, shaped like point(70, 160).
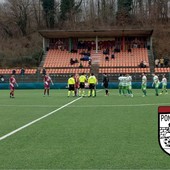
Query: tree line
point(20, 21)
point(25, 16)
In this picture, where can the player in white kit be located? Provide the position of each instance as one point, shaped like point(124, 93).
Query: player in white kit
point(164, 85)
point(156, 83)
point(144, 84)
point(129, 85)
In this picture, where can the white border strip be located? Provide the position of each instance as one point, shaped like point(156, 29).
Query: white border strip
point(37, 120)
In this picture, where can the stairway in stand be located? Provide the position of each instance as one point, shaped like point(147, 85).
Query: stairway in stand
point(151, 61)
point(95, 62)
point(43, 60)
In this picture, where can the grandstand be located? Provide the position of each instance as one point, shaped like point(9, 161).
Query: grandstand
point(59, 46)
point(129, 47)
point(58, 61)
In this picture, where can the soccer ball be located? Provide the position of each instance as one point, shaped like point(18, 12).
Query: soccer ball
point(167, 141)
point(86, 85)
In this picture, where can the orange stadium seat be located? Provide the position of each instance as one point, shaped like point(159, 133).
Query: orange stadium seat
point(61, 59)
point(124, 59)
point(130, 61)
point(162, 70)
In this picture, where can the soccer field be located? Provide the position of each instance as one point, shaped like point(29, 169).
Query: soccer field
point(113, 132)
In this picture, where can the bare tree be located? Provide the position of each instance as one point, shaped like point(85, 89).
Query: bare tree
point(19, 12)
point(36, 5)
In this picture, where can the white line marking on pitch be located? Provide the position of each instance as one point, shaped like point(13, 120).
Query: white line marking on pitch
point(130, 105)
point(36, 120)
point(84, 106)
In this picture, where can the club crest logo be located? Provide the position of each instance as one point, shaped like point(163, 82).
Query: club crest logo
point(164, 128)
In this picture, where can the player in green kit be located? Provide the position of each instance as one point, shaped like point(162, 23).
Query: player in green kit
point(156, 83)
point(144, 84)
point(129, 85)
point(164, 85)
point(120, 78)
point(71, 84)
point(82, 80)
point(124, 85)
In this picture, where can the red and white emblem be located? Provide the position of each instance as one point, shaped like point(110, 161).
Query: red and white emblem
point(164, 128)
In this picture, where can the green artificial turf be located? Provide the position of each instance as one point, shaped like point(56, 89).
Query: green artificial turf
point(105, 132)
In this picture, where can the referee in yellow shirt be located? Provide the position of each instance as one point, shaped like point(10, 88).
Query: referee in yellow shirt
point(82, 80)
point(92, 82)
point(71, 85)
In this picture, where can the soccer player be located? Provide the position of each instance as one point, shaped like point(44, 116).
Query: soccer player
point(12, 83)
point(82, 80)
point(120, 78)
point(120, 84)
point(71, 86)
point(129, 85)
point(156, 83)
point(95, 87)
point(76, 89)
point(47, 82)
point(124, 85)
point(106, 83)
point(144, 84)
point(164, 85)
point(92, 82)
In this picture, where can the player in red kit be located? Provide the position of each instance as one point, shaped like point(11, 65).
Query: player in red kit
point(47, 82)
point(76, 77)
point(12, 83)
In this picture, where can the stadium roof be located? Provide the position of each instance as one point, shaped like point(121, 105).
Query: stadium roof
point(94, 33)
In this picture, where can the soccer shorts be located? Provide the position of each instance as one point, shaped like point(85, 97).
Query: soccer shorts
point(105, 85)
point(91, 86)
point(144, 86)
point(82, 85)
point(120, 87)
point(157, 85)
point(77, 85)
point(129, 87)
point(71, 87)
point(124, 87)
point(12, 88)
point(164, 86)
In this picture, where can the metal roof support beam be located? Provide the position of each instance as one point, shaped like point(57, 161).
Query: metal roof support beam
point(44, 45)
point(97, 44)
